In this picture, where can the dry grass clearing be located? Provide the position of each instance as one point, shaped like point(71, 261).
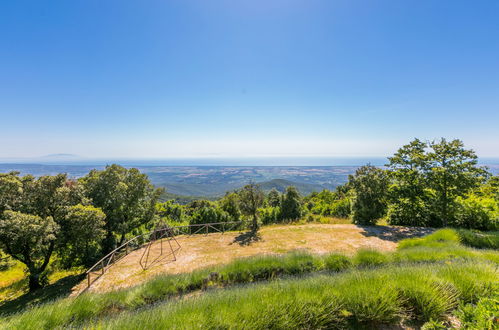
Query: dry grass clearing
point(205, 250)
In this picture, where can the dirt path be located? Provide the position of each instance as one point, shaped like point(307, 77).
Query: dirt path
point(205, 250)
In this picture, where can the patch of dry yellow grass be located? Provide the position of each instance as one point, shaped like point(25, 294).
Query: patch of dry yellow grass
point(205, 250)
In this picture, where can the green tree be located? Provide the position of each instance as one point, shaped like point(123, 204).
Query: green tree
point(209, 214)
point(370, 186)
point(171, 210)
point(83, 233)
point(274, 198)
point(230, 204)
point(30, 239)
point(126, 196)
point(11, 190)
point(39, 205)
point(251, 198)
point(291, 208)
point(453, 173)
point(408, 194)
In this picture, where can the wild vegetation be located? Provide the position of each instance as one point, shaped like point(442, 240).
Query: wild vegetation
point(426, 279)
point(56, 225)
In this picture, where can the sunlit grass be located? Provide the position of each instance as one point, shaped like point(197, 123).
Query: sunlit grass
point(427, 299)
point(384, 295)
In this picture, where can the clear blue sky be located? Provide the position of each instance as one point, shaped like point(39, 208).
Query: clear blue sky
point(185, 78)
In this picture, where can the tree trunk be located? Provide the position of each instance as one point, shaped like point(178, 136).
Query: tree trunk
point(34, 281)
point(254, 224)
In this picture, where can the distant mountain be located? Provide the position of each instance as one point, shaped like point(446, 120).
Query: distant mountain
point(281, 185)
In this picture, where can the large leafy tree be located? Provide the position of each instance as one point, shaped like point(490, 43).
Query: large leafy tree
point(251, 198)
point(408, 193)
point(30, 239)
point(370, 185)
point(453, 173)
point(83, 232)
point(291, 208)
point(126, 196)
point(428, 179)
point(31, 224)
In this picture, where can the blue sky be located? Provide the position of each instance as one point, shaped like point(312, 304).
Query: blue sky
point(291, 78)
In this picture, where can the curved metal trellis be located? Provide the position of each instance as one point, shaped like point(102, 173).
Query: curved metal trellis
point(166, 233)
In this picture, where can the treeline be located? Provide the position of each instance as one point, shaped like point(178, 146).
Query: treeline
point(435, 184)
point(76, 221)
point(55, 219)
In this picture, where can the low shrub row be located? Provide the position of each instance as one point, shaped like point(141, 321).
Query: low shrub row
point(387, 295)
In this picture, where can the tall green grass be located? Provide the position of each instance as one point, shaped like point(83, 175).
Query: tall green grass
point(479, 239)
point(90, 306)
point(366, 297)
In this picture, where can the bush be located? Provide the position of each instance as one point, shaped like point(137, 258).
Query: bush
point(351, 300)
point(482, 315)
point(341, 208)
point(269, 215)
point(406, 212)
point(478, 239)
point(337, 262)
point(370, 258)
point(476, 212)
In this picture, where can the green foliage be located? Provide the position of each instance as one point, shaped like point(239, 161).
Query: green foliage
point(478, 239)
point(370, 258)
point(453, 172)
point(269, 215)
point(30, 239)
point(126, 196)
point(428, 182)
point(251, 198)
point(437, 239)
point(291, 208)
point(478, 212)
point(172, 212)
point(352, 299)
point(482, 315)
point(33, 220)
point(337, 262)
point(370, 185)
point(328, 203)
point(421, 291)
point(408, 196)
point(209, 214)
point(274, 198)
point(230, 204)
point(83, 228)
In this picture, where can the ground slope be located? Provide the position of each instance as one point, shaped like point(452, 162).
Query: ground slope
point(205, 250)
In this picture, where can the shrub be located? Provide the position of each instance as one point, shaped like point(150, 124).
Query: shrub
point(341, 208)
point(370, 258)
point(476, 212)
point(337, 262)
point(270, 214)
point(478, 239)
point(482, 315)
point(350, 300)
